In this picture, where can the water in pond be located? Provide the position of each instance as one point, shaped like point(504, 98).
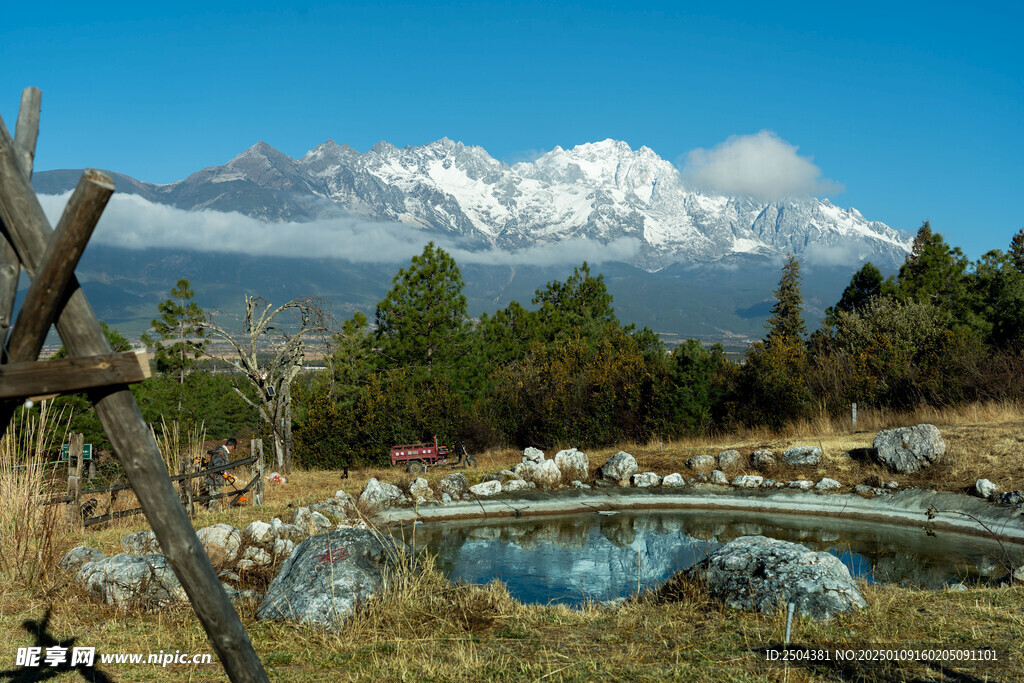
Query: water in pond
point(569, 559)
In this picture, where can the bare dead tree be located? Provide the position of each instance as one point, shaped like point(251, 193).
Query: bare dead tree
point(286, 341)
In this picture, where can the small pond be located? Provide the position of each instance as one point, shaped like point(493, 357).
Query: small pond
point(598, 556)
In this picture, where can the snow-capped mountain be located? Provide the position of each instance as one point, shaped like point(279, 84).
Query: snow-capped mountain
point(602, 191)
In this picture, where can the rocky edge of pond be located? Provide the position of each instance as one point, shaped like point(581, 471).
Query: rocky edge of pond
point(331, 562)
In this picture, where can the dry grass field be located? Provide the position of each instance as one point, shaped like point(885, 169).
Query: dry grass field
point(423, 628)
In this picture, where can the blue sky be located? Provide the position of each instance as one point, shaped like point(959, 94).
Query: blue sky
point(915, 109)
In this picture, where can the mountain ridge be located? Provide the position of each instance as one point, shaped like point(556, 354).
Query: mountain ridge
point(603, 191)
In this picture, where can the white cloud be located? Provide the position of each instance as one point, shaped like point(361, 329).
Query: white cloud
point(763, 166)
point(135, 223)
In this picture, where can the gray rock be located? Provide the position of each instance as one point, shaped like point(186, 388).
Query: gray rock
point(506, 475)
point(763, 458)
point(864, 490)
point(221, 543)
point(645, 480)
point(341, 496)
point(748, 481)
point(445, 498)
point(328, 576)
point(577, 484)
point(1012, 498)
point(827, 484)
point(908, 449)
point(486, 488)
point(145, 581)
point(673, 480)
point(718, 477)
point(518, 484)
point(283, 547)
point(141, 543)
point(291, 532)
point(800, 456)
point(702, 463)
point(573, 464)
point(531, 454)
point(1018, 575)
point(603, 484)
point(956, 587)
point(546, 474)
point(983, 488)
point(455, 485)
point(763, 574)
point(254, 557)
point(801, 484)
point(619, 467)
point(729, 460)
point(378, 495)
point(892, 485)
point(76, 557)
point(260, 534)
point(420, 488)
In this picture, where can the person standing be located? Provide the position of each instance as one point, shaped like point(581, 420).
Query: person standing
point(218, 456)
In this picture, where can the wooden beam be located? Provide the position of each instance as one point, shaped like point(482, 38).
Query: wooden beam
point(133, 442)
point(27, 131)
point(57, 266)
point(10, 271)
point(68, 375)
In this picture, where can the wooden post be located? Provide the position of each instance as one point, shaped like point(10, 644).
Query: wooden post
point(185, 486)
point(853, 415)
point(76, 451)
point(256, 450)
point(79, 329)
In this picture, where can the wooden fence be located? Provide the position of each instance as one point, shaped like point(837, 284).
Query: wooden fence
point(79, 511)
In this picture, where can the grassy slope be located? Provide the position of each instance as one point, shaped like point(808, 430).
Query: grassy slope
point(427, 629)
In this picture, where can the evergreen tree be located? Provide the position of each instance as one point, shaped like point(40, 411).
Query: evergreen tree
point(786, 323)
point(581, 303)
point(865, 285)
point(937, 274)
point(1017, 250)
point(421, 323)
point(180, 320)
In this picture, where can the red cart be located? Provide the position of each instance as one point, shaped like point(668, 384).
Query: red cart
point(418, 456)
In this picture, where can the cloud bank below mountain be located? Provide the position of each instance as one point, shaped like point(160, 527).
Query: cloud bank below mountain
point(136, 223)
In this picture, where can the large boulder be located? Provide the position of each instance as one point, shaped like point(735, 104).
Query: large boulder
point(763, 458)
point(983, 488)
point(419, 488)
point(573, 464)
point(328, 576)
point(378, 495)
point(908, 449)
point(645, 479)
point(800, 456)
point(545, 475)
point(719, 477)
point(145, 581)
point(673, 480)
point(1014, 499)
point(702, 463)
point(486, 488)
point(517, 485)
point(827, 484)
point(76, 557)
point(259, 534)
point(141, 543)
point(748, 481)
point(455, 485)
point(221, 543)
point(761, 574)
point(619, 467)
point(729, 460)
point(531, 454)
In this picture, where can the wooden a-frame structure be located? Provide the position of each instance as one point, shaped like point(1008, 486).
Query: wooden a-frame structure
point(50, 256)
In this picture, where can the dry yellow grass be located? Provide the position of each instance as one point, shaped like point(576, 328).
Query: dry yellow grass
point(425, 628)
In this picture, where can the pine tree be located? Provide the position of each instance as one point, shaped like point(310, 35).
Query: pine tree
point(421, 323)
point(786, 323)
point(865, 285)
point(1017, 250)
point(921, 240)
point(582, 302)
point(180, 320)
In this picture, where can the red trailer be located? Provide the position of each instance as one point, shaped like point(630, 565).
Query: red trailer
point(417, 456)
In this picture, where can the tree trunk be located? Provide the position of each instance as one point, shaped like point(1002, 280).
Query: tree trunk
point(288, 432)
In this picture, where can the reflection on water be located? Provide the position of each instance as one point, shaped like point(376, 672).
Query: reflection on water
point(569, 559)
